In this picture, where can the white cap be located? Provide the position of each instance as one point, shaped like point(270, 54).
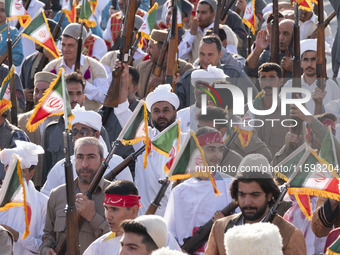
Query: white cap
point(167, 251)
point(253, 239)
point(26, 151)
point(311, 45)
point(211, 75)
point(156, 227)
point(88, 118)
point(162, 93)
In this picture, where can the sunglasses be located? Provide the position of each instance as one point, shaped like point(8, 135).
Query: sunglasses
point(83, 131)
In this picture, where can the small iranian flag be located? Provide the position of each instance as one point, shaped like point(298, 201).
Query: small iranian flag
point(190, 162)
point(249, 15)
point(305, 4)
point(148, 24)
point(13, 191)
point(93, 4)
point(15, 10)
point(334, 248)
point(52, 103)
point(86, 14)
point(69, 8)
point(39, 31)
point(5, 93)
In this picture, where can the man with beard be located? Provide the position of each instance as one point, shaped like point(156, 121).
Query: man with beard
point(309, 78)
point(255, 191)
point(162, 104)
point(88, 158)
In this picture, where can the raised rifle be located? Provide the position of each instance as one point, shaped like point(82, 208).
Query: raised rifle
point(14, 117)
point(173, 48)
point(111, 99)
point(79, 49)
point(4, 56)
point(226, 9)
point(273, 210)
point(274, 40)
point(157, 201)
point(158, 68)
point(326, 22)
point(217, 20)
point(191, 244)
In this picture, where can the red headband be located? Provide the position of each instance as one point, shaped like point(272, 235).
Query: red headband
point(325, 122)
point(208, 138)
point(122, 200)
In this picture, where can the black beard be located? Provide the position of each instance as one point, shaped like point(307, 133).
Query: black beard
point(162, 127)
point(259, 214)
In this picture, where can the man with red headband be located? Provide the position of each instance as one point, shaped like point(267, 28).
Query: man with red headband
point(192, 203)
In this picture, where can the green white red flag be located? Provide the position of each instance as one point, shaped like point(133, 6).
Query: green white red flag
point(39, 31)
point(69, 8)
point(52, 103)
point(87, 14)
point(5, 92)
point(14, 9)
point(190, 162)
point(334, 248)
point(13, 191)
point(305, 4)
point(249, 16)
point(148, 24)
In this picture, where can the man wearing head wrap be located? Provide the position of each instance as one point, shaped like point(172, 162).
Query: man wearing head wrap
point(309, 78)
point(89, 155)
point(162, 105)
point(42, 81)
point(91, 70)
point(255, 191)
point(84, 124)
point(14, 218)
point(149, 81)
point(192, 203)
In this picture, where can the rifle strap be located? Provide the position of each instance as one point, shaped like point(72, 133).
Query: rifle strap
point(232, 223)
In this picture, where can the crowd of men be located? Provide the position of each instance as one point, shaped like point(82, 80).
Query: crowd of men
point(222, 83)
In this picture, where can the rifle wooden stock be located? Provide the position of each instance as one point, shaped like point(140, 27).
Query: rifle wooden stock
point(111, 99)
point(274, 45)
point(158, 68)
point(79, 48)
point(157, 201)
point(173, 47)
point(273, 210)
point(326, 21)
point(191, 244)
point(226, 9)
point(14, 117)
point(133, 156)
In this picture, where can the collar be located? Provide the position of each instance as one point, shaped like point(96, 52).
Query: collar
point(205, 29)
point(82, 59)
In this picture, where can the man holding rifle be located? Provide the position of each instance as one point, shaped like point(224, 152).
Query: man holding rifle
point(255, 191)
point(88, 158)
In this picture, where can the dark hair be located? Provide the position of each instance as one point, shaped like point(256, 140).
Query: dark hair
point(213, 112)
point(205, 2)
point(122, 187)
point(270, 66)
point(212, 39)
point(268, 185)
point(205, 130)
point(221, 33)
point(135, 75)
point(132, 226)
point(271, 17)
point(75, 77)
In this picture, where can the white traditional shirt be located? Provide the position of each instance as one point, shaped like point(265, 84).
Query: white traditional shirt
point(187, 116)
point(15, 218)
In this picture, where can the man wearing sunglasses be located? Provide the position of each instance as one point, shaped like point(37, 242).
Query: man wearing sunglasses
point(84, 124)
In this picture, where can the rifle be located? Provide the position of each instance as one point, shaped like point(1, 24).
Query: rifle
point(17, 26)
point(325, 22)
point(226, 9)
point(80, 45)
point(158, 68)
point(72, 236)
point(157, 201)
point(217, 17)
point(321, 71)
point(296, 69)
point(14, 117)
point(114, 172)
point(191, 244)
point(274, 45)
point(4, 56)
point(111, 99)
point(173, 45)
point(273, 210)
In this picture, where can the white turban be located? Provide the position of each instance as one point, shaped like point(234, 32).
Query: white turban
point(88, 118)
point(27, 153)
point(311, 45)
point(162, 93)
point(211, 75)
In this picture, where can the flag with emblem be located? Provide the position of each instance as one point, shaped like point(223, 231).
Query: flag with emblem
point(14, 9)
point(39, 31)
point(13, 191)
point(249, 15)
point(305, 4)
point(5, 93)
point(148, 24)
point(190, 162)
point(334, 248)
point(86, 14)
point(52, 103)
point(69, 8)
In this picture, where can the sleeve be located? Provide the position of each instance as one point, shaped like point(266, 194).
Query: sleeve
point(6, 242)
point(97, 90)
point(99, 225)
point(99, 49)
point(107, 34)
point(185, 46)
